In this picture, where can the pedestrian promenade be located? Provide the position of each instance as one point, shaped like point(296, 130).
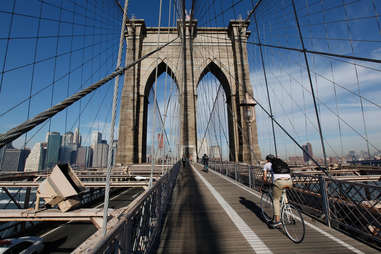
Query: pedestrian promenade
point(211, 213)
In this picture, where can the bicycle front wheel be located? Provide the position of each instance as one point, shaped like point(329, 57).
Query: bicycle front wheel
point(267, 207)
point(293, 223)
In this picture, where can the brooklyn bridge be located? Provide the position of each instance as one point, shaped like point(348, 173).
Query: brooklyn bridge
point(109, 110)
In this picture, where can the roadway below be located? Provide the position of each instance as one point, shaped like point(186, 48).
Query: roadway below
point(65, 237)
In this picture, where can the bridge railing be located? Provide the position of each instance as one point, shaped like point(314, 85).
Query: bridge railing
point(351, 207)
point(139, 225)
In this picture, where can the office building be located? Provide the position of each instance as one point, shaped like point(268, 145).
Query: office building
point(84, 157)
point(67, 138)
point(202, 147)
point(14, 159)
point(36, 158)
point(53, 149)
point(215, 152)
point(113, 152)
point(77, 139)
point(307, 153)
point(100, 152)
point(68, 153)
point(96, 138)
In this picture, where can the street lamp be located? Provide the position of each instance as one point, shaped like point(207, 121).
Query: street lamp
point(248, 105)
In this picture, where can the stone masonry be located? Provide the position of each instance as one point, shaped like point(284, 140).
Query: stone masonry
point(221, 51)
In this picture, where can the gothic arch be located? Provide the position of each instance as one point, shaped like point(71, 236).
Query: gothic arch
point(148, 84)
point(219, 74)
point(213, 68)
point(161, 68)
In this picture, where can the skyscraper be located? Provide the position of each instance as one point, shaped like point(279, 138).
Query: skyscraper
point(67, 138)
point(202, 147)
point(100, 152)
point(68, 153)
point(113, 151)
point(84, 157)
point(215, 152)
point(36, 158)
point(96, 138)
point(307, 153)
point(77, 138)
point(14, 159)
point(53, 149)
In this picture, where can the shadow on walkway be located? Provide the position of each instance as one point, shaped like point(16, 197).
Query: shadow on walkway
point(252, 207)
point(188, 227)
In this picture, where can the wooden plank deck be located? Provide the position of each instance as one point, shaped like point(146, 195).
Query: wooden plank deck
point(197, 223)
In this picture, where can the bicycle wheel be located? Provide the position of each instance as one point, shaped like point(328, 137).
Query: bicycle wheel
point(267, 206)
point(293, 223)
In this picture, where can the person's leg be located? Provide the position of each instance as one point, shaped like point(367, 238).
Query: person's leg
point(277, 193)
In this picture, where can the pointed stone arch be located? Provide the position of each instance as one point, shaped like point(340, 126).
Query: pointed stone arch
point(214, 69)
point(150, 78)
point(148, 82)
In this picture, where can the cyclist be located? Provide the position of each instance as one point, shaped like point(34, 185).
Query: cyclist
point(205, 160)
point(281, 178)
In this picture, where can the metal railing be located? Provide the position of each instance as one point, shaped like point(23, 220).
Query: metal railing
point(351, 207)
point(136, 229)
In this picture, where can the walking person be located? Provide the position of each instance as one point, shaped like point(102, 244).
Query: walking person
point(205, 161)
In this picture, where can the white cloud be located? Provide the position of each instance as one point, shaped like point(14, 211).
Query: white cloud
point(291, 102)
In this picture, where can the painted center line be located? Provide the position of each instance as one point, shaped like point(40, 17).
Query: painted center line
point(254, 241)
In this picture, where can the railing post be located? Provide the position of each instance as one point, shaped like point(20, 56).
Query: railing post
point(324, 197)
point(235, 173)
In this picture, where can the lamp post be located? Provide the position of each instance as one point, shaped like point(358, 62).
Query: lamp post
point(248, 106)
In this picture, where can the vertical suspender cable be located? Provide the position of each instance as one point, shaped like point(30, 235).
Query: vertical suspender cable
point(155, 107)
point(184, 120)
point(311, 85)
point(267, 87)
point(111, 137)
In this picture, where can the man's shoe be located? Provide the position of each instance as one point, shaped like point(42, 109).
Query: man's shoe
point(275, 224)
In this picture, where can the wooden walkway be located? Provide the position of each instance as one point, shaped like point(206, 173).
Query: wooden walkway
point(211, 214)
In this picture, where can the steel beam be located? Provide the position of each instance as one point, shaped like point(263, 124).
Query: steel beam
point(50, 215)
point(86, 184)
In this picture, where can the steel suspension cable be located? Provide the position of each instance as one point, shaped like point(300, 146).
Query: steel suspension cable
point(14, 133)
point(112, 124)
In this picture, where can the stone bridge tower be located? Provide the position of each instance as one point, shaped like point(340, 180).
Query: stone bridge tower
point(221, 51)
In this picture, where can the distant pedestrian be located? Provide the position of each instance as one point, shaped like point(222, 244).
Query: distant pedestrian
point(184, 161)
point(205, 161)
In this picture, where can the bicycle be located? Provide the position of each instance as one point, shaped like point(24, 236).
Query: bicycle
point(290, 217)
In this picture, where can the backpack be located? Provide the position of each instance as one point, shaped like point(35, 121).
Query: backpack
point(279, 166)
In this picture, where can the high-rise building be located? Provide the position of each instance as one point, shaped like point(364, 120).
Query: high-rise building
point(113, 151)
point(14, 159)
point(202, 147)
point(96, 138)
point(215, 152)
point(307, 153)
point(53, 149)
point(67, 138)
point(77, 138)
point(68, 153)
point(100, 152)
point(36, 158)
point(84, 157)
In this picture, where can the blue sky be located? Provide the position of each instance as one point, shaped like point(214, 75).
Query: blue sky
point(75, 43)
